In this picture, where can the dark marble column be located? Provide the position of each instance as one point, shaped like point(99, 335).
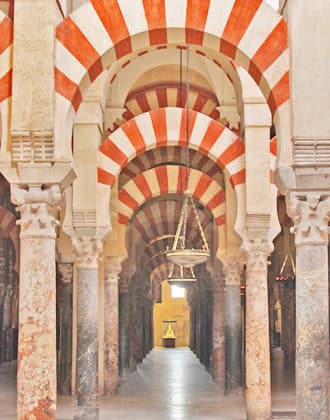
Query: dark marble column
point(111, 325)
point(132, 326)
point(87, 255)
point(123, 332)
point(233, 270)
point(218, 328)
point(64, 376)
point(258, 396)
point(310, 214)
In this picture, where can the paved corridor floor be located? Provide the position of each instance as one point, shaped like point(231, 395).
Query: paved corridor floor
point(169, 384)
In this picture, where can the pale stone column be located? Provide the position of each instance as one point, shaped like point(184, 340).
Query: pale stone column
point(258, 393)
point(36, 374)
point(87, 261)
point(111, 325)
point(218, 330)
point(310, 213)
point(65, 363)
point(233, 270)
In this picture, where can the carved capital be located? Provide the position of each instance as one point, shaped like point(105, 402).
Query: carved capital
point(229, 115)
point(65, 271)
point(310, 214)
point(233, 270)
point(87, 251)
point(112, 269)
point(258, 251)
point(37, 207)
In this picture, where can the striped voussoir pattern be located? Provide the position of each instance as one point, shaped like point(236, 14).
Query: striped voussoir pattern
point(169, 179)
point(101, 31)
point(6, 42)
point(169, 94)
point(160, 218)
point(273, 155)
point(167, 127)
point(168, 155)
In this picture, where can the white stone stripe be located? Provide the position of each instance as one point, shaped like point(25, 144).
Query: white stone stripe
point(225, 140)
point(134, 15)
point(124, 210)
point(107, 164)
point(92, 28)
point(194, 178)
point(123, 143)
point(5, 61)
point(173, 176)
point(173, 123)
point(175, 13)
point(68, 64)
point(146, 128)
point(219, 12)
point(152, 182)
point(134, 192)
point(236, 165)
point(210, 192)
point(261, 26)
point(201, 125)
point(275, 72)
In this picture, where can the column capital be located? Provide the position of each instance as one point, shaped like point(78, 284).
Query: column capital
point(258, 251)
point(87, 251)
point(310, 213)
point(233, 269)
point(37, 207)
point(113, 267)
point(66, 272)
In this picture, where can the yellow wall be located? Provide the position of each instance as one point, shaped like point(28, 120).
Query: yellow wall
point(171, 309)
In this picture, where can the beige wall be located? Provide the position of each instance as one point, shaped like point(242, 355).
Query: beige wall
point(171, 309)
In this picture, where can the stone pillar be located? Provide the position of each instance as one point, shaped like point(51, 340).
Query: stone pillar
point(258, 394)
point(65, 362)
point(36, 372)
point(87, 261)
point(310, 213)
point(233, 269)
point(123, 327)
point(218, 329)
point(111, 327)
point(132, 325)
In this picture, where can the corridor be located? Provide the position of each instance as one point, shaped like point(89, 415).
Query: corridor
point(169, 384)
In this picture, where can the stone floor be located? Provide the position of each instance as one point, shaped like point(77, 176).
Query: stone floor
point(169, 384)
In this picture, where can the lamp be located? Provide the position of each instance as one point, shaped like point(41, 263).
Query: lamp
point(181, 276)
point(180, 254)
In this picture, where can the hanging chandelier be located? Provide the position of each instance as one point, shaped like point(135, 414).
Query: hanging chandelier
point(180, 254)
point(181, 276)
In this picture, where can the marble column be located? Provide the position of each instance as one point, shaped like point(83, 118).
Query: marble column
point(123, 327)
point(258, 393)
point(310, 213)
point(36, 368)
point(132, 326)
point(218, 330)
point(65, 271)
point(111, 325)
point(87, 260)
point(233, 270)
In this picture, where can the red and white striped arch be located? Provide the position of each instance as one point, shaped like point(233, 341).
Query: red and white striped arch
point(167, 127)
point(166, 179)
point(6, 42)
point(101, 31)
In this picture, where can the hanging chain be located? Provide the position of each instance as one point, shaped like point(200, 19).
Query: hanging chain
point(205, 245)
point(187, 115)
